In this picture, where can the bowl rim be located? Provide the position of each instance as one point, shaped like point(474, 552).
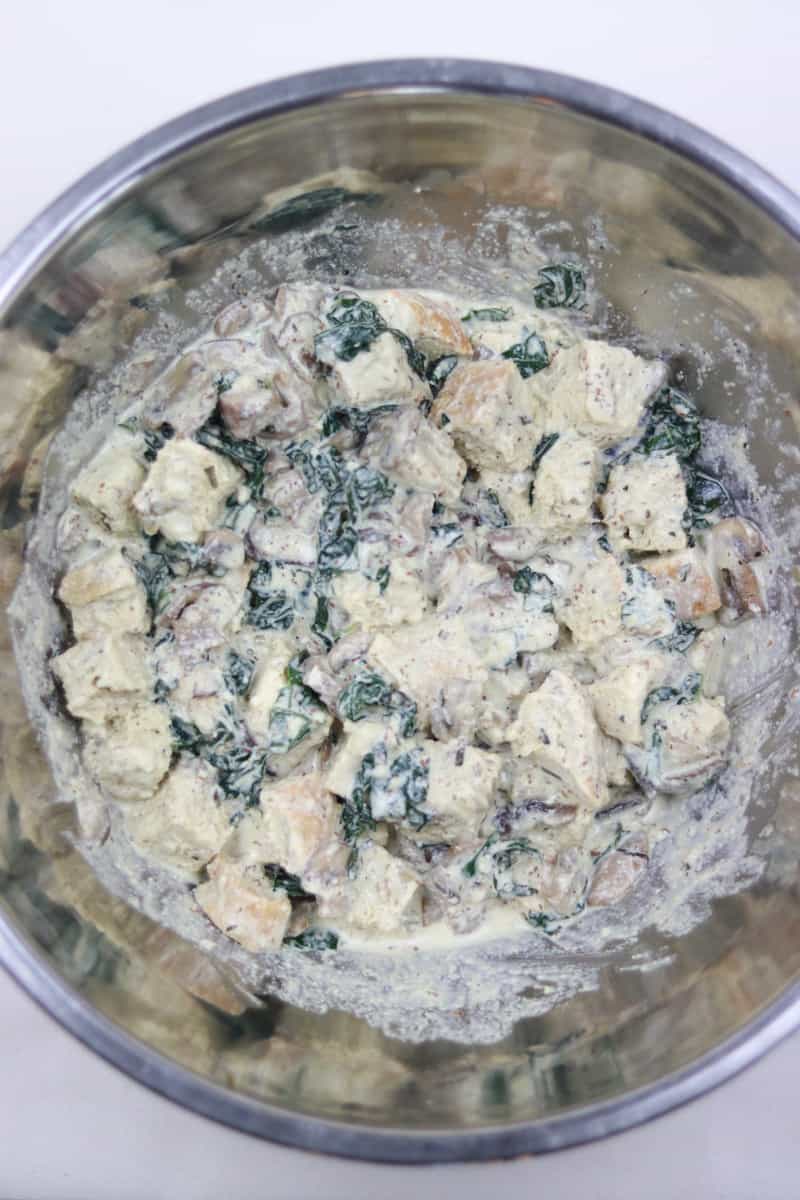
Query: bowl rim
point(20, 262)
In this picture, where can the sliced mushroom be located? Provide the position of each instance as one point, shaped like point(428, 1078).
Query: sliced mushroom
point(348, 649)
point(684, 578)
point(321, 678)
point(734, 545)
point(223, 549)
point(240, 315)
point(281, 541)
point(515, 543)
point(618, 871)
point(185, 395)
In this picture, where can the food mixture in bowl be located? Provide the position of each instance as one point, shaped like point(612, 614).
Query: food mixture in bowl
point(394, 611)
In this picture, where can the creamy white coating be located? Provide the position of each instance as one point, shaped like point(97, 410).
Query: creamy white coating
point(451, 531)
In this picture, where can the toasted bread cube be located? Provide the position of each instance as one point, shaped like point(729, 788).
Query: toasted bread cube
point(403, 600)
point(565, 481)
point(420, 658)
point(104, 595)
point(109, 483)
point(556, 726)
point(385, 896)
point(600, 390)
point(100, 673)
point(684, 578)
point(432, 324)
point(593, 609)
point(381, 374)
point(406, 447)
point(130, 755)
point(268, 680)
point(644, 504)
point(296, 818)
point(359, 739)
point(185, 491)
point(619, 697)
point(242, 903)
point(487, 408)
point(183, 825)
point(461, 783)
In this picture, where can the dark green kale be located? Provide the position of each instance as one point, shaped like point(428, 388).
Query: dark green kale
point(225, 381)
point(354, 324)
point(404, 790)
point(552, 923)
point(268, 608)
point(679, 639)
point(530, 355)
point(368, 690)
point(534, 583)
point(356, 814)
point(491, 510)
point(503, 855)
point(688, 690)
point(504, 858)
point(382, 577)
point(451, 532)
point(549, 923)
point(187, 736)
point(439, 371)
point(349, 493)
point(470, 868)
point(238, 672)
point(301, 210)
point(545, 443)
point(295, 712)
point(337, 534)
point(416, 359)
point(155, 574)
point(246, 453)
point(154, 439)
point(313, 939)
point(282, 881)
point(673, 426)
point(321, 623)
point(357, 420)
point(705, 495)
point(562, 285)
point(322, 467)
point(487, 314)
point(240, 767)
point(369, 487)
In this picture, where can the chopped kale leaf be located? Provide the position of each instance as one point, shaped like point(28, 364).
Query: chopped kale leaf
point(673, 426)
point(238, 673)
point(282, 881)
point(688, 690)
point(529, 355)
point(368, 690)
point(313, 939)
point(487, 314)
point(439, 371)
point(680, 638)
point(301, 210)
point(545, 443)
point(562, 285)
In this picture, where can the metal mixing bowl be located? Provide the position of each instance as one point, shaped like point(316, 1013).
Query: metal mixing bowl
point(686, 212)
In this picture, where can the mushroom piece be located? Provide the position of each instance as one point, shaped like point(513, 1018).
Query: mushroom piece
point(618, 871)
point(734, 545)
point(515, 543)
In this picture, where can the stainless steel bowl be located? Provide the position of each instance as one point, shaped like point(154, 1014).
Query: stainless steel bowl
point(683, 209)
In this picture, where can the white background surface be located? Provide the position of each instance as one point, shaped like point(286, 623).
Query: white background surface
point(79, 80)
